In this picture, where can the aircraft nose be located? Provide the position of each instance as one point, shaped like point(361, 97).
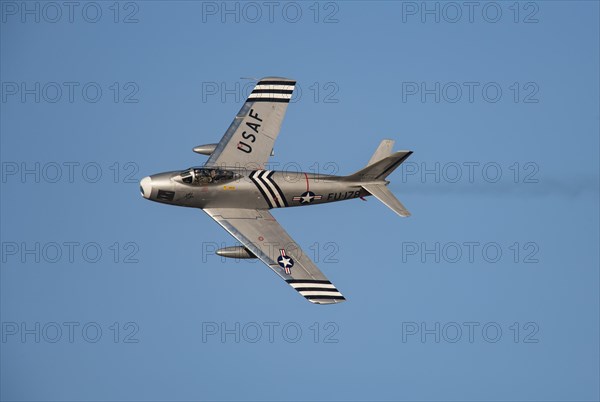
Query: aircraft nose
point(146, 187)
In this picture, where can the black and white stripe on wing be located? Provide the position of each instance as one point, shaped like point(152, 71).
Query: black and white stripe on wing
point(314, 289)
point(268, 188)
point(272, 91)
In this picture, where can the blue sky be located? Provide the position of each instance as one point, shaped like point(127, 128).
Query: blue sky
point(488, 292)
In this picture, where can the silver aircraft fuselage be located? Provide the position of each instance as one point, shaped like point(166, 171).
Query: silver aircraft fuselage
point(237, 188)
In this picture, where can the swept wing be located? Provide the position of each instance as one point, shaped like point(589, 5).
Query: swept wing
point(260, 233)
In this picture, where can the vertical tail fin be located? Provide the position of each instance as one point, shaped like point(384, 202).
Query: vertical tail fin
point(383, 151)
point(382, 163)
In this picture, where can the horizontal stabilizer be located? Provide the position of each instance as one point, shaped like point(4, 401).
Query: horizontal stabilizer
point(383, 194)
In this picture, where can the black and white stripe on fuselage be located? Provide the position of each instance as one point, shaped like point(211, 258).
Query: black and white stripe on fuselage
point(263, 179)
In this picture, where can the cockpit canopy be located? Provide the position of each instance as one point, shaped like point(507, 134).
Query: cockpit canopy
point(206, 175)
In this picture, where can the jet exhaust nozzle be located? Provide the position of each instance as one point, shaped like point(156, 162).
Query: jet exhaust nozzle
point(235, 252)
point(206, 149)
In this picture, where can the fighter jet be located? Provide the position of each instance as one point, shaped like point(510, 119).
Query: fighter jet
point(234, 188)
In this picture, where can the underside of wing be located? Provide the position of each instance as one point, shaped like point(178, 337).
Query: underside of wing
point(260, 233)
point(249, 140)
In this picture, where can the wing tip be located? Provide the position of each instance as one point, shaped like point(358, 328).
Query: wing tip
point(290, 80)
point(328, 301)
